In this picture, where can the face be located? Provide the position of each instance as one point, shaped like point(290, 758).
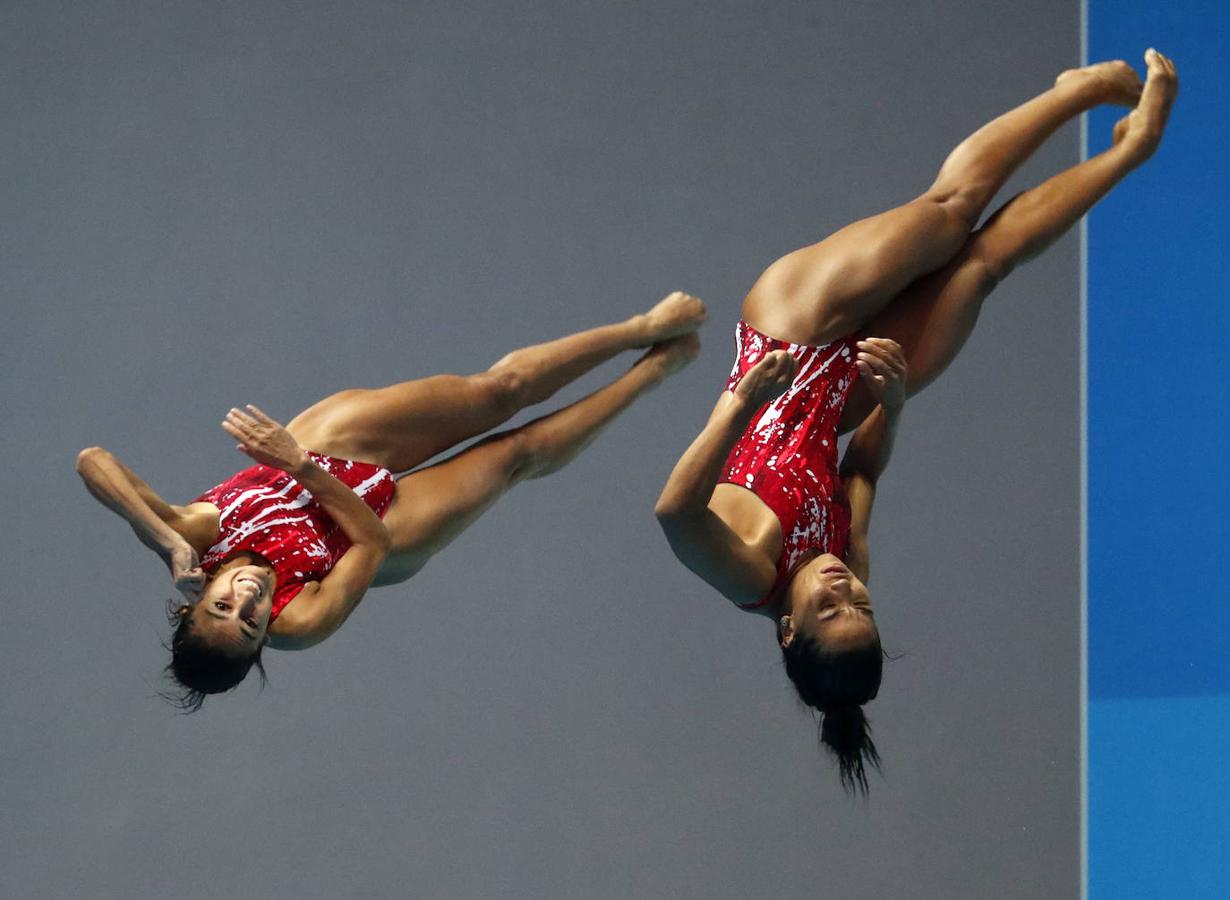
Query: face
point(830, 605)
point(235, 606)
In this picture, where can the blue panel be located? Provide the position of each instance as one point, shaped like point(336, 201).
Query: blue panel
point(1159, 379)
point(1159, 818)
point(1159, 319)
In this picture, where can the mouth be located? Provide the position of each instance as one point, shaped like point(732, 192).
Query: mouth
point(249, 580)
point(836, 569)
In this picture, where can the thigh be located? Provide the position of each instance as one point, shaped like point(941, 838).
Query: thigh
point(830, 289)
point(931, 320)
point(434, 505)
point(403, 425)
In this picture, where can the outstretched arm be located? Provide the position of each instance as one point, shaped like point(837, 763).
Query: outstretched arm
point(882, 366)
point(319, 609)
point(699, 537)
point(160, 526)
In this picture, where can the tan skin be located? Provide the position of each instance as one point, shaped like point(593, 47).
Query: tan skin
point(399, 427)
point(915, 277)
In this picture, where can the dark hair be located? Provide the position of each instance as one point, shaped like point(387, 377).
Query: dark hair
point(199, 668)
point(836, 683)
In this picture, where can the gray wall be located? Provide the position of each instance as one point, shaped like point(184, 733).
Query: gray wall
point(211, 204)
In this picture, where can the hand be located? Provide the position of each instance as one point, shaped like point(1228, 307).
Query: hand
point(186, 572)
point(264, 440)
point(767, 380)
point(882, 365)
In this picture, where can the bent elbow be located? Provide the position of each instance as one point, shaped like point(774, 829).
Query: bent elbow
point(666, 511)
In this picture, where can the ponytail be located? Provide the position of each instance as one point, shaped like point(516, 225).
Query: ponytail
point(837, 684)
point(846, 733)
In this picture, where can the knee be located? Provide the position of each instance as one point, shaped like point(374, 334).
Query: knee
point(964, 207)
point(519, 456)
point(962, 203)
point(506, 387)
point(988, 265)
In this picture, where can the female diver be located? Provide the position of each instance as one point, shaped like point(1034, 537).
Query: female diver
point(758, 505)
point(282, 552)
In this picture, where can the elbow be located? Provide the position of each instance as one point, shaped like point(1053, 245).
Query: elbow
point(666, 511)
point(673, 519)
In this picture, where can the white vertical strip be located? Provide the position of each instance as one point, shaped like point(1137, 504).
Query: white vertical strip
point(1083, 766)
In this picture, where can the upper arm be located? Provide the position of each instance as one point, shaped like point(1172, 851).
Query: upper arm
point(148, 495)
point(322, 607)
point(709, 547)
point(861, 493)
point(196, 523)
point(113, 484)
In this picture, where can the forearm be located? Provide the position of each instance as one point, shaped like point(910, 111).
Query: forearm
point(871, 446)
point(356, 519)
point(108, 480)
point(691, 483)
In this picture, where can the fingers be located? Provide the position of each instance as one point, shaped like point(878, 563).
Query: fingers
point(867, 362)
point(259, 416)
point(881, 362)
point(240, 420)
point(236, 429)
point(883, 356)
point(769, 378)
point(870, 374)
point(191, 584)
point(779, 362)
point(251, 418)
point(779, 370)
point(248, 426)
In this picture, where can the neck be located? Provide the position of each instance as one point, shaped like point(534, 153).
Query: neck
point(780, 603)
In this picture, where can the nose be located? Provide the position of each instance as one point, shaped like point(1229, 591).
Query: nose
point(841, 587)
point(248, 609)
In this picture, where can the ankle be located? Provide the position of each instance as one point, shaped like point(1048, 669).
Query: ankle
point(640, 331)
point(1084, 91)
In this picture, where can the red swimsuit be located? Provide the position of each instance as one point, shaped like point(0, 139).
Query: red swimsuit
point(265, 511)
point(788, 455)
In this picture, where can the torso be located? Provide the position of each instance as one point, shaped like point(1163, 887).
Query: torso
point(264, 511)
point(780, 490)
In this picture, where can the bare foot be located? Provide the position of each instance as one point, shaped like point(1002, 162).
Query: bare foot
point(768, 379)
point(673, 354)
point(1112, 82)
point(1140, 131)
point(678, 313)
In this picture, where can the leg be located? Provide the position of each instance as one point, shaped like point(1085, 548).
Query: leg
point(403, 425)
point(832, 288)
point(934, 317)
point(434, 505)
